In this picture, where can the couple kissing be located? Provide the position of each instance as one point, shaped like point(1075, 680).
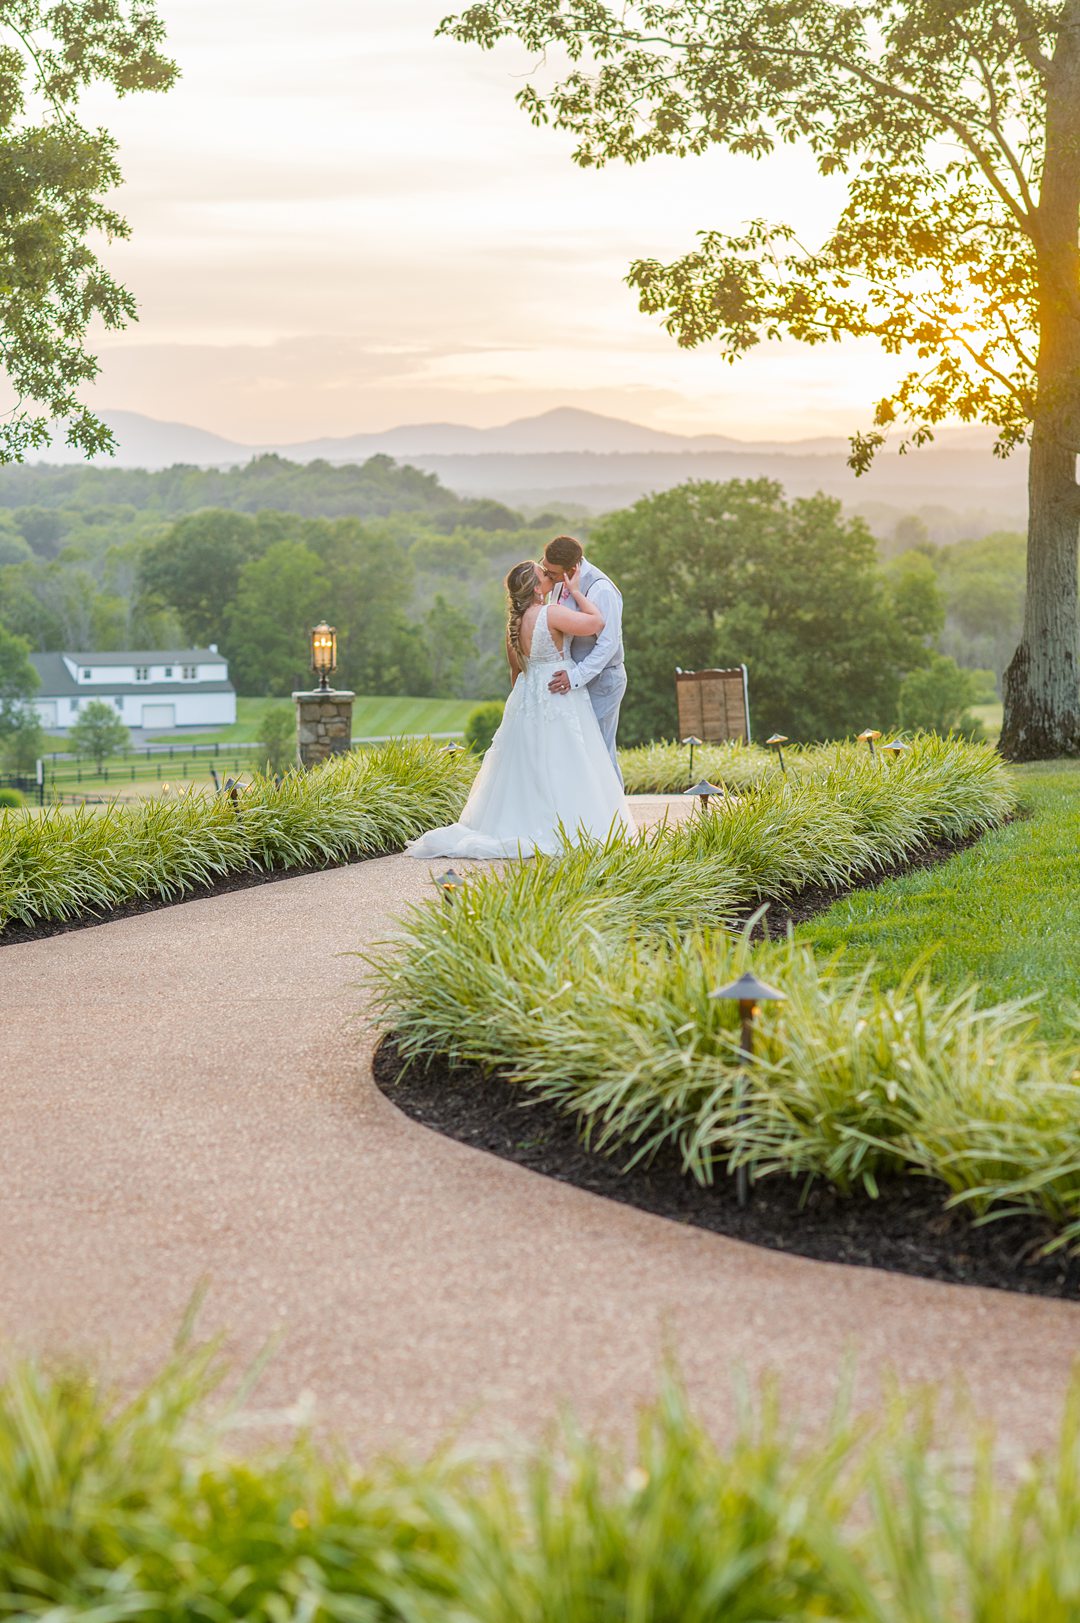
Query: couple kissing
point(552, 771)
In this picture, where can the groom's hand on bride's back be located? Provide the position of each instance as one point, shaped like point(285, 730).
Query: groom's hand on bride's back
point(560, 683)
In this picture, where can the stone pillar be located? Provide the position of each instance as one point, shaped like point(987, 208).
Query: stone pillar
point(323, 724)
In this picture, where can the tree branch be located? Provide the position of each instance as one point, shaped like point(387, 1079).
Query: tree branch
point(1027, 35)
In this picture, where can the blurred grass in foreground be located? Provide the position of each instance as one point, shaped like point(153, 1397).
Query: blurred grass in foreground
point(121, 1510)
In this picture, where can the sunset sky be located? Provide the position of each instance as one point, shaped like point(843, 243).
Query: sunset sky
point(342, 224)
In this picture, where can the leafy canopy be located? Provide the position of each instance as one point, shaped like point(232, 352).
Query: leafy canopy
point(726, 574)
point(18, 679)
point(932, 110)
point(98, 732)
point(53, 176)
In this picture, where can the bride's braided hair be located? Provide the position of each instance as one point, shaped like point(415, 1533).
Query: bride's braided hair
point(521, 595)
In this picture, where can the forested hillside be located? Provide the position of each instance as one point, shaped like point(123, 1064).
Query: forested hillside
point(100, 558)
point(411, 575)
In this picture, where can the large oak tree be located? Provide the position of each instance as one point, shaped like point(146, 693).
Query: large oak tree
point(54, 178)
point(956, 126)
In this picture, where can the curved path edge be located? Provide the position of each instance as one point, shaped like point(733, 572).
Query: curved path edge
point(187, 1096)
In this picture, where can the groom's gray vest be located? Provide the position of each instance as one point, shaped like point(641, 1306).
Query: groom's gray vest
point(606, 686)
point(581, 647)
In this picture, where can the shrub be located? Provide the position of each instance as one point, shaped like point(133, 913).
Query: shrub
point(25, 739)
point(74, 862)
point(11, 797)
point(117, 1507)
point(936, 698)
point(277, 734)
point(99, 732)
point(482, 725)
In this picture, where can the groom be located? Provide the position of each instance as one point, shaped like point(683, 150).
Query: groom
point(595, 663)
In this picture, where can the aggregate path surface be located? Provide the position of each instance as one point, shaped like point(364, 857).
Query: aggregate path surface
point(185, 1096)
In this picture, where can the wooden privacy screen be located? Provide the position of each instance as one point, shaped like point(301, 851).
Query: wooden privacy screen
point(713, 705)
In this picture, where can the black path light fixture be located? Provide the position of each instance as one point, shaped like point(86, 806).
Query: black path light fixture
point(448, 884)
point(749, 993)
point(868, 736)
point(323, 653)
point(777, 742)
point(704, 792)
point(694, 744)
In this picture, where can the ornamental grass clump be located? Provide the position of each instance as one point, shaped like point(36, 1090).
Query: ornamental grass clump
point(664, 768)
point(585, 979)
point(138, 1507)
point(853, 1085)
point(69, 863)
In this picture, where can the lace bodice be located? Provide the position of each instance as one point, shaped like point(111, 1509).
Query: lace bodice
point(543, 651)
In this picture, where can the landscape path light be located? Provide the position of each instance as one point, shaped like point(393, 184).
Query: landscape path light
point(868, 737)
point(896, 747)
point(777, 742)
point(448, 883)
point(748, 992)
point(704, 792)
point(323, 652)
point(694, 743)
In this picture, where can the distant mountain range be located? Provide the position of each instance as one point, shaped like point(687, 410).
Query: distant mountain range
point(585, 460)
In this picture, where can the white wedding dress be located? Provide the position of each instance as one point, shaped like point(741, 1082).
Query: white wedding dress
point(547, 766)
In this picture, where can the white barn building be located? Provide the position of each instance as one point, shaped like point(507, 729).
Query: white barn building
point(156, 689)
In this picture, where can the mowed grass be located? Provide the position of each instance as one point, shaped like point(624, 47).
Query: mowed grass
point(376, 715)
point(1005, 913)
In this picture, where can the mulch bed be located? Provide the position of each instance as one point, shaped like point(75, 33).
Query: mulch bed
point(904, 1231)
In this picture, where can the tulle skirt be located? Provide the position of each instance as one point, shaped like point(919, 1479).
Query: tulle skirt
point(546, 779)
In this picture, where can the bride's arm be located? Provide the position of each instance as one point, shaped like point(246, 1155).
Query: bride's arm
point(583, 621)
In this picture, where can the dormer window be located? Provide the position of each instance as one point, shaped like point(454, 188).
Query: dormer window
point(142, 673)
point(189, 672)
point(87, 675)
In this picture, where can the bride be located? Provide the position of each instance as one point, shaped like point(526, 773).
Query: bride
point(548, 765)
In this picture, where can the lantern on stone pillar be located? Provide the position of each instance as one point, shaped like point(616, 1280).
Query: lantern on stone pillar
point(323, 652)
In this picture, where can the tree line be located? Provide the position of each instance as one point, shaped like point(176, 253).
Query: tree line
point(835, 638)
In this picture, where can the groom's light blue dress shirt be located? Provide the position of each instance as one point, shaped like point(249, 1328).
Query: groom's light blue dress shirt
point(591, 655)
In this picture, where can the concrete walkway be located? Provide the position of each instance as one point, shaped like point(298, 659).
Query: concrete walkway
point(186, 1095)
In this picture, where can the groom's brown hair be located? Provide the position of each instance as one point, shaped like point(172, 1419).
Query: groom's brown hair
point(564, 552)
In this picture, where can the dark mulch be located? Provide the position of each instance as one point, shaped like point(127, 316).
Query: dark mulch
point(12, 934)
point(904, 1231)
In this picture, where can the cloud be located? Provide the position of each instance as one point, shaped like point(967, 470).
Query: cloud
point(339, 171)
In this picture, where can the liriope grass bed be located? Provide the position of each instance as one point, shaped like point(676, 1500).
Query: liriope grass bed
point(581, 983)
point(70, 866)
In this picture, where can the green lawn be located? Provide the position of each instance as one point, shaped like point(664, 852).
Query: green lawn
point(990, 715)
point(1005, 913)
point(374, 716)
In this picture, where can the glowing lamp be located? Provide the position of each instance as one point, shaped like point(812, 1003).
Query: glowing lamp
point(323, 652)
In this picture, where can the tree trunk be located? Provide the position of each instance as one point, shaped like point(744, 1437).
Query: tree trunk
point(1042, 683)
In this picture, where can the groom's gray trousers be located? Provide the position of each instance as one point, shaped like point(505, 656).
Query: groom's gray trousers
point(606, 693)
